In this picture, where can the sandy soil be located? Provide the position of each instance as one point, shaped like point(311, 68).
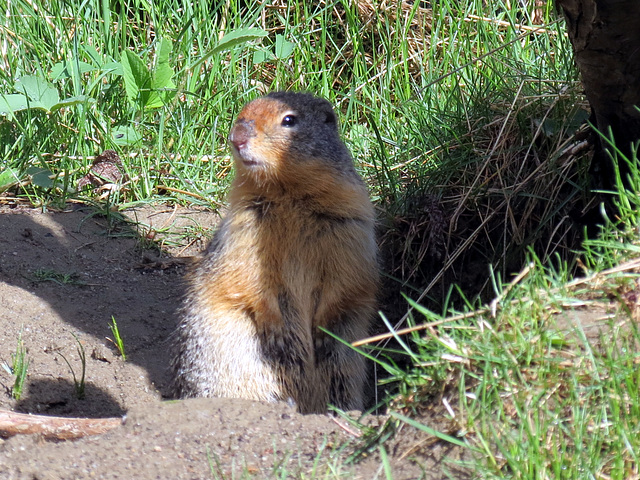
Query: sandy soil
point(63, 276)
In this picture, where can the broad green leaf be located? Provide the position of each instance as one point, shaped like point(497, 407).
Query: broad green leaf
point(93, 54)
point(65, 68)
point(38, 90)
point(159, 98)
point(238, 37)
point(164, 50)
point(125, 135)
point(232, 39)
point(137, 79)
point(13, 103)
point(260, 56)
point(40, 177)
point(8, 178)
point(71, 101)
point(163, 72)
point(113, 67)
point(284, 48)
point(162, 75)
point(16, 102)
point(155, 99)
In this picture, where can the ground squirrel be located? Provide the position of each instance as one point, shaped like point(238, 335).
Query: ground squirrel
point(296, 251)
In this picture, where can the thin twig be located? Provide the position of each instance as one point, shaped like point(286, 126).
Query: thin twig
point(54, 428)
point(494, 304)
point(415, 328)
point(516, 26)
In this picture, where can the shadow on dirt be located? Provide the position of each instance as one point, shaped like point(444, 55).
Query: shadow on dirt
point(60, 398)
point(66, 275)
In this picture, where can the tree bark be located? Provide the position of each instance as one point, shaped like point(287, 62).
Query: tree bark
point(605, 35)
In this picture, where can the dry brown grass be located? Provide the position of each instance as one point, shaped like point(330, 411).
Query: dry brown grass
point(379, 21)
point(517, 188)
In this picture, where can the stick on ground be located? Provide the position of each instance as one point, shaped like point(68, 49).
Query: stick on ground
point(54, 428)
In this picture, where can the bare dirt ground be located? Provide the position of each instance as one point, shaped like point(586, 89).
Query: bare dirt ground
point(63, 276)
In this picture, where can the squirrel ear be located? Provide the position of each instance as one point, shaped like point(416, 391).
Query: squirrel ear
point(331, 117)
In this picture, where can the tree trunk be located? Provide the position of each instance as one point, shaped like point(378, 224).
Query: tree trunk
point(605, 35)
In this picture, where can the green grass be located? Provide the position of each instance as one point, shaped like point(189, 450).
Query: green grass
point(49, 275)
point(18, 368)
point(327, 464)
point(397, 99)
point(473, 112)
point(535, 395)
point(78, 382)
point(117, 339)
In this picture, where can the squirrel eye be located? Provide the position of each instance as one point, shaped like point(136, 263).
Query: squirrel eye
point(289, 121)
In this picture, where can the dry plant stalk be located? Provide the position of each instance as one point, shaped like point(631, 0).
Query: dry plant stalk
point(403, 18)
point(391, 9)
point(598, 278)
point(54, 428)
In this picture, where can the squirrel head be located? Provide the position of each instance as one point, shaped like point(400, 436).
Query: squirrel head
point(288, 138)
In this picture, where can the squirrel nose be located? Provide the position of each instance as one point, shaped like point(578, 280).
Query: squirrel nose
point(240, 134)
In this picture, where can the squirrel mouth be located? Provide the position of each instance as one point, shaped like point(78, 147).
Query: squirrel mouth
point(243, 156)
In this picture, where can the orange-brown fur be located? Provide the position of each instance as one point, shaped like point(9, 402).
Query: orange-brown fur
point(295, 252)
